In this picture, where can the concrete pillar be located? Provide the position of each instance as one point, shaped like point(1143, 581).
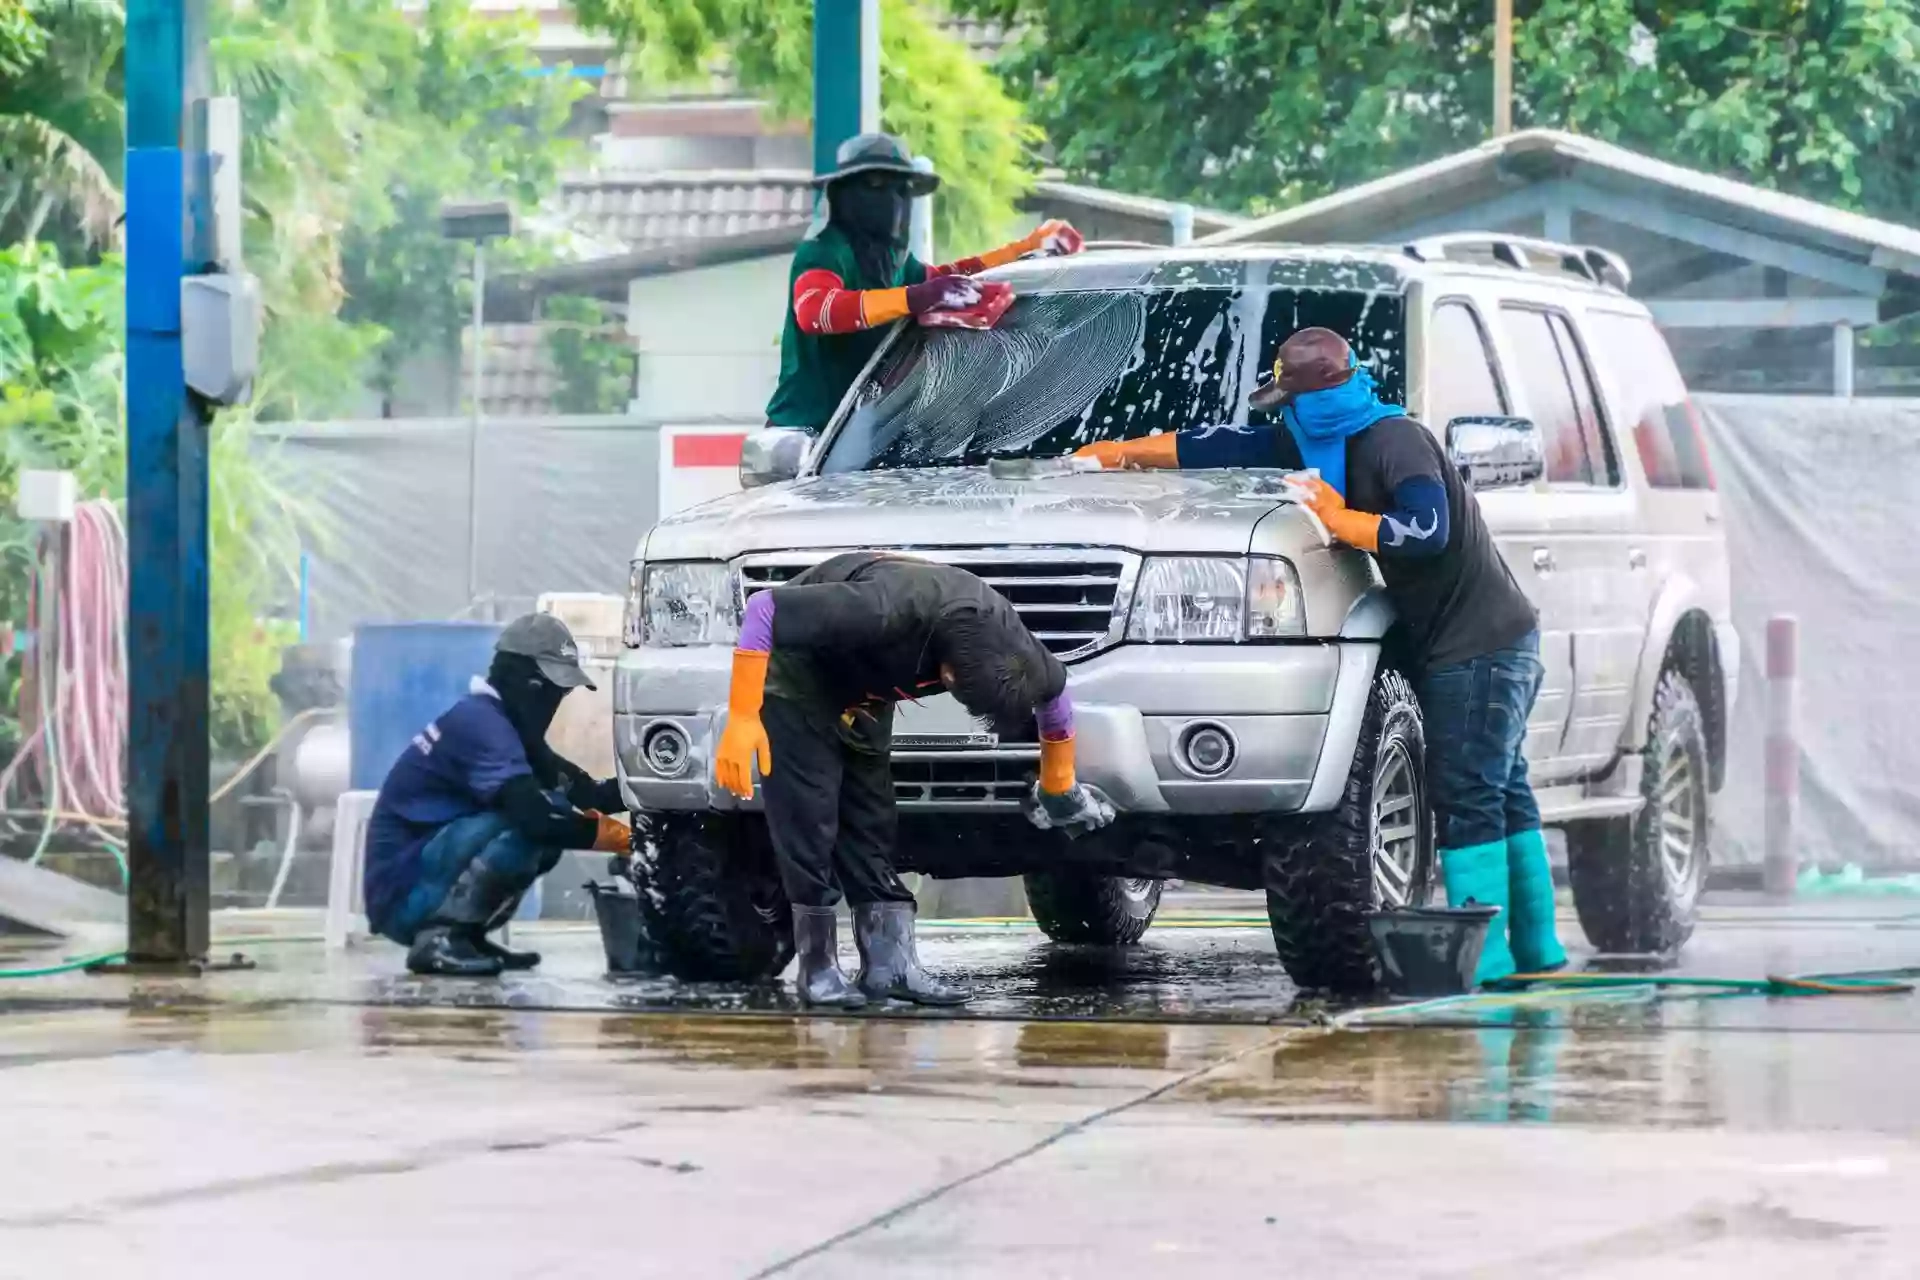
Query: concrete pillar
point(1843, 361)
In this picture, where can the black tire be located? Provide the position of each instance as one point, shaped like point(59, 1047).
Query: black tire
point(710, 897)
point(1320, 870)
point(1078, 906)
point(1631, 897)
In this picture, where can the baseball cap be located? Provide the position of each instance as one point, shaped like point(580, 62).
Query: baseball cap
point(546, 640)
point(1313, 359)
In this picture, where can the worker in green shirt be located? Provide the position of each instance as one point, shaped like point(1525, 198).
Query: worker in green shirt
point(853, 275)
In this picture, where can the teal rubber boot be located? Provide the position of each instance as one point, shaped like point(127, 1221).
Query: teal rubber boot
point(1478, 873)
point(1536, 943)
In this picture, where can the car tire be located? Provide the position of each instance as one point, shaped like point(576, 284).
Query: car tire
point(1080, 907)
point(1636, 881)
point(1324, 873)
point(710, 896)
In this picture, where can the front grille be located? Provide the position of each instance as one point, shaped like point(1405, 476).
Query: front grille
point(996, 779)
point(1066, 598)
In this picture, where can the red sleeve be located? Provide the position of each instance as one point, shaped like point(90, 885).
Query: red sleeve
point(822, 303)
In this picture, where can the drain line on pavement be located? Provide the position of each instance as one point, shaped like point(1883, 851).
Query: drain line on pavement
point(890, 1216)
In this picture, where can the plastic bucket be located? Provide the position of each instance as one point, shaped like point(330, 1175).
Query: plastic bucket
point(1430, 951)
point(622, 932)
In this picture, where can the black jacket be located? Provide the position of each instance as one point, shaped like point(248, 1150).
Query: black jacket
point(869, 628)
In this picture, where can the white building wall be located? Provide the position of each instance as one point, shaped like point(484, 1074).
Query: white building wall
point(709, 339)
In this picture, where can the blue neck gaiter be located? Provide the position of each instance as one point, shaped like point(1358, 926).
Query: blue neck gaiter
point(1321, 421)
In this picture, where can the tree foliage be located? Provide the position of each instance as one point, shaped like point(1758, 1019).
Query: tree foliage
point(932, 93)
point(593, 358)
point(1258, 104)
point(62, 131)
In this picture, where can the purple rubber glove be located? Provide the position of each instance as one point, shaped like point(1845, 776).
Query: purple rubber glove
point(756, 623)
point(1056, 717)
point(942, 293)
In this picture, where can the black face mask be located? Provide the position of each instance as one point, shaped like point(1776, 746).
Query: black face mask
point(875, 217)
point(530, 699)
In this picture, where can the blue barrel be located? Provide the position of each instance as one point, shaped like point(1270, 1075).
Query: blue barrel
point(404, 675)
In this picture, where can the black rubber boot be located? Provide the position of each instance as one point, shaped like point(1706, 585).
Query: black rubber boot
point(509, 959)
point(447, 951)
point(820, 980)
point(449, 943)
point(890, 964)
point(512, 960)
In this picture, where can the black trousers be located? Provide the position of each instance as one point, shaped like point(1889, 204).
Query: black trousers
point(829, 804)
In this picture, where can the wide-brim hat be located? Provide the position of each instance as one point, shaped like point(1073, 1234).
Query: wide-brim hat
point(1313, 359)
point(878, 153)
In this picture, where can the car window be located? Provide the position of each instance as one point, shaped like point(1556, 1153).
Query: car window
point(1586, 401)
point(1065, 369)
point(1461, 382)
point(1550, 400)
point(1645, 384)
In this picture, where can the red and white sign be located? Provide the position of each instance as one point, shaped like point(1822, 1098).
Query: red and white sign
point(698, 464)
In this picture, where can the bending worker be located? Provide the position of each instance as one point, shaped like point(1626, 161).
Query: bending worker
point(820, 664)
point(853, 275)
point(1466, 632)
point(478, 807)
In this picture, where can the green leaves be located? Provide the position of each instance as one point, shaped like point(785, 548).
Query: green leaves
point(1258, 104)
point(591, 354)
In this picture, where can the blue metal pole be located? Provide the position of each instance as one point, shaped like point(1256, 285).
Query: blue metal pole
point(167, 757)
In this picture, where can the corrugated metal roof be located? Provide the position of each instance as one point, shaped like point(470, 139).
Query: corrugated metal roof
point(1453, 180)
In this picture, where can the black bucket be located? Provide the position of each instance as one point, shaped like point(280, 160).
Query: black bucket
point(622, 932)
point(1430, 951)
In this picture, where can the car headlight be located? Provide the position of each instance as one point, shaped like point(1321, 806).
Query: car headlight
point(693, 602)
point(1195, 599)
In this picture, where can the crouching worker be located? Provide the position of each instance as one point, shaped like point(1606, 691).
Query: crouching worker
point(478, 807)
point(1466, 633)
point(820, 664)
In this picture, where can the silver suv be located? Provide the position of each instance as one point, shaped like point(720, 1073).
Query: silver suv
point(1233, 673)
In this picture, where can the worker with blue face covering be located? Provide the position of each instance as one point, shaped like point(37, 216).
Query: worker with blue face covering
point(1466, 634)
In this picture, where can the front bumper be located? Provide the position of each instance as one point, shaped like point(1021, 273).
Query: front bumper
point(1292, 712)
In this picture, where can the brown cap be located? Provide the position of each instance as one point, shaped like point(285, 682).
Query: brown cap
point(1311, 360)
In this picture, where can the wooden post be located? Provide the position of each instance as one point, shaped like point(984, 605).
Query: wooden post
point(1502, 68)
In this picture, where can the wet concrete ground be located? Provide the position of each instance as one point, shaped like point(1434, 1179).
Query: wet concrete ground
point(1165, 1111)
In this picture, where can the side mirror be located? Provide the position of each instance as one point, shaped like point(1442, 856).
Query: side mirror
point(770, 456)
point(1497, 452)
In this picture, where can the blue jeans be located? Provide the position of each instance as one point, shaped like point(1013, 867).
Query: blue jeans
point(1475, 714)
point(508, 860)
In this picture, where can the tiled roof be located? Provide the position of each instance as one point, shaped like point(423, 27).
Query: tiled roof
point(519, 379)
point(642, 210)
point(984, 38)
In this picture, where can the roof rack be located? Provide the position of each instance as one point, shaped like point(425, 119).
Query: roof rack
point(1524, 253)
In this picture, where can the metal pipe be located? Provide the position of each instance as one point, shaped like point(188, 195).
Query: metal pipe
point(1502, 68)
point(473, 422)
point(1782, 863)
point(1180, 224)
point(1843, 360)
point(920, 232)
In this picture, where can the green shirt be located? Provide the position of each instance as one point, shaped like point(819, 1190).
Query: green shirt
point(817, 369)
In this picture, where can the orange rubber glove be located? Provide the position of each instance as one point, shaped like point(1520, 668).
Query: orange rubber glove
point(743, 743)
point(614, 836)
point(1056, 765)
point(1355, 528)
point(1161, 452)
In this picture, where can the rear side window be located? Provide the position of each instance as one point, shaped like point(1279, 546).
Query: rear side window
point(1461, 378)
point(1550, 399)
point(1645, 383)
point(1586, 401)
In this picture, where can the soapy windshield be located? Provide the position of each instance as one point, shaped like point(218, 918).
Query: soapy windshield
point(1062, 370)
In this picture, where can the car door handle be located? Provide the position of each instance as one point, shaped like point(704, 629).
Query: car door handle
point(1542, 560)
point(1636, 558)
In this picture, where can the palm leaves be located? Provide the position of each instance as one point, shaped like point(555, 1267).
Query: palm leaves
point(62, 128)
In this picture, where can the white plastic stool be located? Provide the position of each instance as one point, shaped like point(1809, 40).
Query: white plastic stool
point(346, 915)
